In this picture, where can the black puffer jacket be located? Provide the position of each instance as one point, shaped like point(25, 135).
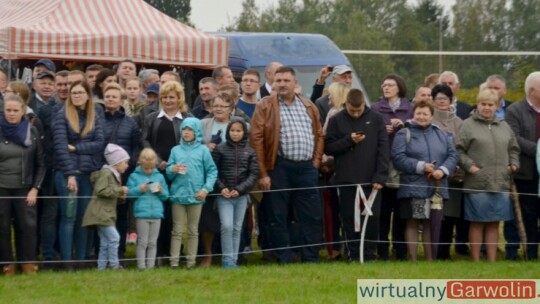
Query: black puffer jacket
point(238, 168)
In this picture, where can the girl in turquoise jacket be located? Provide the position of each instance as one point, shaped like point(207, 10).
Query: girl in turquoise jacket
point(149, 188)
point(192, 173)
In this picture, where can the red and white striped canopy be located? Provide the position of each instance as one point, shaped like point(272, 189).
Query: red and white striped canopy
point(103, 30)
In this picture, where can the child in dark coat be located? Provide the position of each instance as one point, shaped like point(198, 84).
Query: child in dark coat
point(238, 171)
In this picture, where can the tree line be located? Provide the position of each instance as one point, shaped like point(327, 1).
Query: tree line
point(470, 25)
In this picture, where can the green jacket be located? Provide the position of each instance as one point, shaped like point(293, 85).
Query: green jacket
point(491, 146)
point(102, 208)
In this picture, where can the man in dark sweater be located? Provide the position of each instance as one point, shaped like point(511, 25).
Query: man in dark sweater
point(358, 141)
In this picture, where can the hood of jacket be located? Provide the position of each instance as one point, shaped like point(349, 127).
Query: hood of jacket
point(195, 125)
point(244, 139)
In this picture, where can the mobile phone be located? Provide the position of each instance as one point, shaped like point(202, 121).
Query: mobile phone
point(330, 68)
point(360, 133)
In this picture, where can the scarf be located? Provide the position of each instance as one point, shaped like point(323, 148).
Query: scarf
point(19, 133)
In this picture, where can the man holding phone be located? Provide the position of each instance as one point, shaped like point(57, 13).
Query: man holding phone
point(341, 74)
point(357, 139)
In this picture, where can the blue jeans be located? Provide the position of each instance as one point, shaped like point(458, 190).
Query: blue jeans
point(49, 217)
point(71, 229)
point(109, 240)
point(304, 204)
point(231, 215)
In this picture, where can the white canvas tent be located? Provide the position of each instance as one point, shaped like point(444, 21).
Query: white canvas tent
point(103, 31)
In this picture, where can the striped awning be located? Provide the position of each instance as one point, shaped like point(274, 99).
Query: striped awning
point(103, 30)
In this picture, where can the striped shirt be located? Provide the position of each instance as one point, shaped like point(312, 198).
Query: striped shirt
point(296, 140)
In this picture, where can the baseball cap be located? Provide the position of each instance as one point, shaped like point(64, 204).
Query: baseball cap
point(341, 69)
point(153, 88)
point(47, 63)
point(45, 74)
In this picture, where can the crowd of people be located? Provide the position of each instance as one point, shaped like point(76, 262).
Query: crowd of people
point(90, 156)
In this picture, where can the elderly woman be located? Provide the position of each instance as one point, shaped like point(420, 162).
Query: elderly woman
point(426, 157)
point(161, 132)
point(23, 169)
point(445, 117)
point(396, 109)
point(489, 153)
point(78, 146)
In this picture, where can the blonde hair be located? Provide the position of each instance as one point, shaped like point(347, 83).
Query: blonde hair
point(18, 99)
point(339, 92)
point(72, 114)
point(20, 88)
point(231, 89)
point(148, 155)
point(488, 95)
point(113, 86)
point(173, 86)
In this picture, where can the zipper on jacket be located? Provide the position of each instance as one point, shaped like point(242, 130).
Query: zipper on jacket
point(235, 164)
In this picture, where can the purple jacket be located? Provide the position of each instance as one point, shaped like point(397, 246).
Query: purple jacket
point(404, 112)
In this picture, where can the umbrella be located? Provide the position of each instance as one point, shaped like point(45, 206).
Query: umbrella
point(519, 218)
point(435, 218)
point(328, 220)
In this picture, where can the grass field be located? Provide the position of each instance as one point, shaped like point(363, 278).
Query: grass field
point(297, 283)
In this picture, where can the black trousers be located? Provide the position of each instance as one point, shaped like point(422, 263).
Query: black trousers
point(13, 206)
point(352, 239)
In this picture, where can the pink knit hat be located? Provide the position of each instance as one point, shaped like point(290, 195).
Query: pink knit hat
point(114, 154)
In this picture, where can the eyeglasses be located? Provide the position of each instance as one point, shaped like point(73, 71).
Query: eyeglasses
point(442, 98)
point(388, 85)
point(78, 93)
point(249, 81)
point(220, 107)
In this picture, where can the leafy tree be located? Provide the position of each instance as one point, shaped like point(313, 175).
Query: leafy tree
point(479, 25)
point(177, 9)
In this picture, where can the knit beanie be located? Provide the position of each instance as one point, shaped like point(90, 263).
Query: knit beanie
point(114, 154)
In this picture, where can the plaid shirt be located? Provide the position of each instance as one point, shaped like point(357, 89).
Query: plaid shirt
point(296, 140)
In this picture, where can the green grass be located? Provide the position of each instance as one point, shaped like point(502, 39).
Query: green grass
point(298, 283)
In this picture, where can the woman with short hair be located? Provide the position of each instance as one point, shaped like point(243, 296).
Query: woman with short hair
point(489, 154)
point(426, 157)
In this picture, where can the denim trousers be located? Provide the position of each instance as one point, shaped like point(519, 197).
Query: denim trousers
point(13, 207)
point(231, 214)
point(303, 205)
point(109, 240)
point(71, 233)
point(49, 217)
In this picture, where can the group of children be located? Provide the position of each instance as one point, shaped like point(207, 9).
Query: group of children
point(193, 172)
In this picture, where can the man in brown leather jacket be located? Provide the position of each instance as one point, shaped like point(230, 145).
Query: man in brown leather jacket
point(286, 133)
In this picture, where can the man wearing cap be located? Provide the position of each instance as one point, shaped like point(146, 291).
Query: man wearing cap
point(43, 65)
point(43, 90)
point(340, 73)
point(208, 88)
point(152, 104)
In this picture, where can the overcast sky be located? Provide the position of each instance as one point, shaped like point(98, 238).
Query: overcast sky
point(211, 15)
